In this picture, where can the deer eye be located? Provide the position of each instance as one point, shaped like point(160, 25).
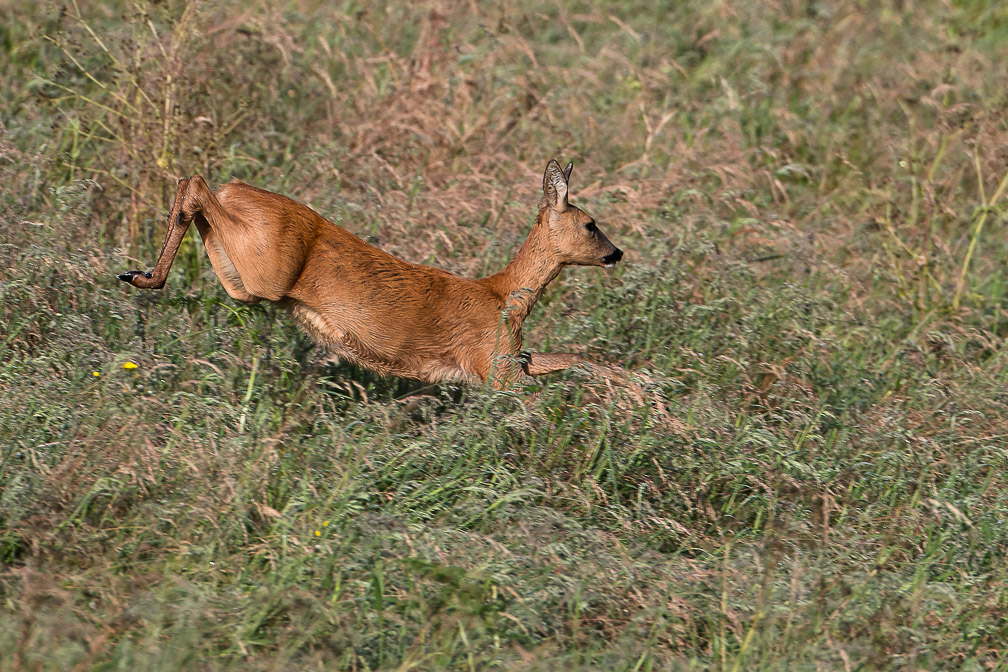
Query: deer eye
point(590, 227)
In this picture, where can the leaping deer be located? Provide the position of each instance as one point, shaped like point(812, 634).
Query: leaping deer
point(367, 306)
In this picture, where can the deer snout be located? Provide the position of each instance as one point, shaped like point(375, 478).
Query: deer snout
point(610, 259)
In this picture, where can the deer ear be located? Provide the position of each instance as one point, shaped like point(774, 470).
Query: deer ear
point(567, 172)
point(555, 187)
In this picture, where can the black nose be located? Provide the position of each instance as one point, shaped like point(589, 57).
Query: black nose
point(613, 257)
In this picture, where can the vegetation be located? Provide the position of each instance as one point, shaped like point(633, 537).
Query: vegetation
point(807, 470)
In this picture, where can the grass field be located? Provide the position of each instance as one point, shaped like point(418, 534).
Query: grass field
point(809, 470)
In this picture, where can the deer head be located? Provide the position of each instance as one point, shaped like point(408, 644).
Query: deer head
point(575, 237)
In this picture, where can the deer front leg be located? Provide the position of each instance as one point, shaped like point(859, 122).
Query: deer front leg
point(177, 227)
point(540, 363)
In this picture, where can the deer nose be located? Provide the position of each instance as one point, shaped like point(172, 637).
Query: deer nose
point(612, 257)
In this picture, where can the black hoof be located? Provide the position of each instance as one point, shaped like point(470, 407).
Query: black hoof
point(129, 275)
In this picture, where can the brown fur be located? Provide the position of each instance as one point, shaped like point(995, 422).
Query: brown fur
point(375, 309)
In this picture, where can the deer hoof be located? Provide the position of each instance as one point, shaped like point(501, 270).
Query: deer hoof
point(129, 275)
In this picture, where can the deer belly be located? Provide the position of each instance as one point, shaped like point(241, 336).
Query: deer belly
point(377, 345)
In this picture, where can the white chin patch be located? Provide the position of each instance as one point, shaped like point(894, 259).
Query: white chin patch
point(610, 266)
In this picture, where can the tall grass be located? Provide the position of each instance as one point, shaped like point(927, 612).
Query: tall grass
point(806, 469)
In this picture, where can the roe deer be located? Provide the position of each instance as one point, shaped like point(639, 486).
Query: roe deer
point(374, 309)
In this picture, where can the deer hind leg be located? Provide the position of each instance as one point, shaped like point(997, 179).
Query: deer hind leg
point(221, 262)
point(246, 237)
point(177, 227)
point(194, 203)
point(215, 225)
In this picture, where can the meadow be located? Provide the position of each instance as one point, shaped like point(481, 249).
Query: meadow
point(807, 470)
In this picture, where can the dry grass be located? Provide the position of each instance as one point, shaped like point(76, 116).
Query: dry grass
point(805, 469)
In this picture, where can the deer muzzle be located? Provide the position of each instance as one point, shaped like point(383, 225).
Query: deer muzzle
point(610, 259)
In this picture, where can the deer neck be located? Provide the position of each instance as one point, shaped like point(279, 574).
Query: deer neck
point(525, 277)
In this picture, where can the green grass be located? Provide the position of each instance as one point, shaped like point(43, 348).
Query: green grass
point(808, 470)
